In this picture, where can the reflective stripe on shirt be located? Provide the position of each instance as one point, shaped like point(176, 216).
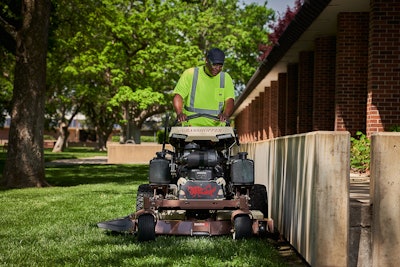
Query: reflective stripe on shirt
point(191, 108)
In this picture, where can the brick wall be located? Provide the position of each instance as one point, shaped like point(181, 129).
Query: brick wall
point(282, 103)
point(256, 119)
point(292, 99)
point(349, 82)
point(252, 111)
point(239, 124)
point(267, 109)
point(273, 131)
point(351, 72)
point(305, 91)
point(247, 129)
point(383, 108)
point(243, 125)
point(324, 84)
point(264, 113)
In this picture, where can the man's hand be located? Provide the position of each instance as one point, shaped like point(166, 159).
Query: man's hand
point(181, 117)
point(178, 106)
point(222, 117)
point(227, 111)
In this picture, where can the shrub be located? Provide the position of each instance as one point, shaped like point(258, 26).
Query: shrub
point(143, 138)
point(146, 139)
point(360, 152)
point(115, 138)
point(48, 137)
point(160, 136)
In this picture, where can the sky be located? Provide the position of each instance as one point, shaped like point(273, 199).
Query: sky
point(278, 5)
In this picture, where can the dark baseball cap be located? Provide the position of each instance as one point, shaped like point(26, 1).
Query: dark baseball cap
point(216, 56)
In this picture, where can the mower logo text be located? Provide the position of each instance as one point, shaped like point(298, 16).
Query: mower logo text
point(197, 191)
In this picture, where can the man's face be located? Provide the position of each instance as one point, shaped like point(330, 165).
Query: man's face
point(213, 69)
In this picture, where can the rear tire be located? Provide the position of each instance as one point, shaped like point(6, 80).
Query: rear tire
point(243, 227)
point(144, 190)
point(146, 228)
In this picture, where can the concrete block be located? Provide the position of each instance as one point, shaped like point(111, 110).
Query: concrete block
point(385, 196)
point(132, 153)
point(307, 178)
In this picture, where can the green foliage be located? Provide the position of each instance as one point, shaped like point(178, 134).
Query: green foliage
point(147, 139)
point(48, 137)
point(360, 152)
point(143, 139)
point(395, 128)
point(7, 63)
point(109, 58)
point(160, 136)
point(143, 97)
point(115, 138)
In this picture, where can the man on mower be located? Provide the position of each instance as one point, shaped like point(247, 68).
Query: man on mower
point(207, 90)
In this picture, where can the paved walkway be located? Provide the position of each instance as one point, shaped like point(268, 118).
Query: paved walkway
point(360, 221)
point(83, 161)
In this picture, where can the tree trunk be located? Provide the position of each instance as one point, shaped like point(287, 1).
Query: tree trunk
point(62, 138)
point(101, 143)
point(24, 166)
point(135, 133)
point(102, 135)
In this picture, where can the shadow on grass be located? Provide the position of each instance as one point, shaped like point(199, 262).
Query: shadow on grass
point(72, 175)
point(55, 156)
point(191, 251)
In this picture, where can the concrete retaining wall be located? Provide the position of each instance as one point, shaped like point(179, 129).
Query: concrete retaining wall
point(385, 197)
point(132, 153)
point(307, 178)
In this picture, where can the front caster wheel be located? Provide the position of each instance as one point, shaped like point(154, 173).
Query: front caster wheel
point(243, 227)
point(146, 228)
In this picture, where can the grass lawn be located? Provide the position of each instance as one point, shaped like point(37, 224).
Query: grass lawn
point(56, 226)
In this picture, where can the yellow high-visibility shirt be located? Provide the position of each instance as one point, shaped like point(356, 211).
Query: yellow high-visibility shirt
point(207, 96)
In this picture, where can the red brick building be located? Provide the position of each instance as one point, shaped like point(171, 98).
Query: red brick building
point(336, 68)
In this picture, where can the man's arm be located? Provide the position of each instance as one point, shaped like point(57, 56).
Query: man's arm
point(228, 110)
point(178, 106)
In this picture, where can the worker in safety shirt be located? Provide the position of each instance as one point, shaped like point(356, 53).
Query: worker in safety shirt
point(205, 89)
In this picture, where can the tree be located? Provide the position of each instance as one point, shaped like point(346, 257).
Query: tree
point(65, 88)
point(128, 55)
point(148, 44)
point(122, 57)
point(24, 32)
point(278, 28)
